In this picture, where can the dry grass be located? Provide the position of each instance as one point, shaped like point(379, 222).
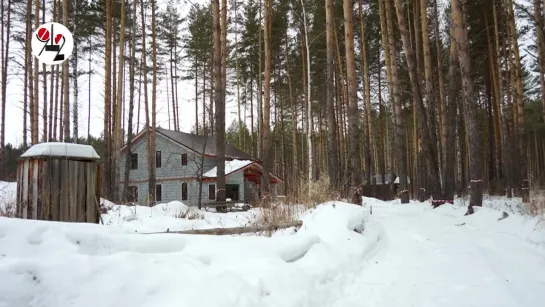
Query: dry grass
point(8, 210)
point(536, 206)
point(277, 213)
point(189, 214)
point(316, 193)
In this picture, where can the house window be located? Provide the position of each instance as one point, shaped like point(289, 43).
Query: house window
point(134, 161)
point(211, 191)
point(184, 159)
point(184, 190)
point(133, 194)
point(158, 159)
point(158, 193)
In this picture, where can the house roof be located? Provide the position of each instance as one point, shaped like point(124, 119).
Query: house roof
point(237, 165)
point(199, 142)
point(60, 149)
point(230, 167)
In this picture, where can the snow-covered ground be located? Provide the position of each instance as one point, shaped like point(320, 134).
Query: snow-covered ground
point(442, 258)
point(172, 216)
point(400, 255)
point(67, 264)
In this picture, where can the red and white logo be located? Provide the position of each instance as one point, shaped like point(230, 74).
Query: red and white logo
point(52, 43)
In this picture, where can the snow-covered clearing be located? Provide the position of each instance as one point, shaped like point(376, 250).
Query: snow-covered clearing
point(401, 255)
point(172, 216)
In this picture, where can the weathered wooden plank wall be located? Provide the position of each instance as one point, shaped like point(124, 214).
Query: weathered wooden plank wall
point(58, 190)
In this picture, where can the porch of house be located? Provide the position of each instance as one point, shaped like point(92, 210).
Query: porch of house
point(252, 181)
point(243, 181)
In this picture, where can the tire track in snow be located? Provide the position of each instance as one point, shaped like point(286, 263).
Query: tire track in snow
point(427, 261)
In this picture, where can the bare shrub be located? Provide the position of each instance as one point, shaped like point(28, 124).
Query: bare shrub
point(189, 214)
point(277, 213)
point(536, 206)
point(316, 193)
point(8, 210)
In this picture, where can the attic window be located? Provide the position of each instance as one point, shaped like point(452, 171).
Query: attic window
point(134, 161)
point(158, 159)
point(184, 159)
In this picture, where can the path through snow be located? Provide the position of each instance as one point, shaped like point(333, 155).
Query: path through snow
point(427, 258)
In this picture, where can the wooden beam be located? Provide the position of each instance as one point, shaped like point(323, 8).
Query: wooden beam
point(233, 230)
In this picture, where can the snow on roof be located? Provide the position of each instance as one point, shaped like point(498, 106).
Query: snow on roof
point(59, 149)
point(230, 166)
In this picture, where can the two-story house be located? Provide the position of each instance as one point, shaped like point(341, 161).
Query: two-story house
point(179, 158)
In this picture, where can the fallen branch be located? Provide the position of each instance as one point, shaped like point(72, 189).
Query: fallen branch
point(233, 230)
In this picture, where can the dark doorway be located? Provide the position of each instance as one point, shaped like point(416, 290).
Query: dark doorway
point(231, 191)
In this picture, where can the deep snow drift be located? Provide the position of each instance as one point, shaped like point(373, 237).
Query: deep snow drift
point(401, 255)
point(62, 264)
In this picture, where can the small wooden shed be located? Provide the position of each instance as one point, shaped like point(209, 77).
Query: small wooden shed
point(59, 182)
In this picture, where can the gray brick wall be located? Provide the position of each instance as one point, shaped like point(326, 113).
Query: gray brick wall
point(172, 174)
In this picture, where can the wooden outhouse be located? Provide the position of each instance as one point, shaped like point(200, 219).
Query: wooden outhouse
point(59, 182)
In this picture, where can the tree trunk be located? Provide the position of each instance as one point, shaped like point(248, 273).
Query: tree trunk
point(204, 128)
point(89, 61)
point(174, 118)
point(197, 97)
point(219, 98)
point(332, 142)
point(44, 76)
point(470, 108)
point(500, 122)
point(382, 122)
point(240, 135)
point(259, 96)
point(223, 39)
point(56, 108)
point(152, 178)
point(118, 137)
point(66, 72)
point(177, 109)
point(295, 166)
point(310, 127)
point(128, 157)
point(430, 102)
point(367, 118)
point(5, 62)
point(450, 121)
point(75, 110)
point(519, 130)
point(107, 187)
point(353, 128)
point(397, 106)
point(36, 100)
point(441, 97)
point(538, 19)
point(150, 156)
point(267, 103)
point(429, 148)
